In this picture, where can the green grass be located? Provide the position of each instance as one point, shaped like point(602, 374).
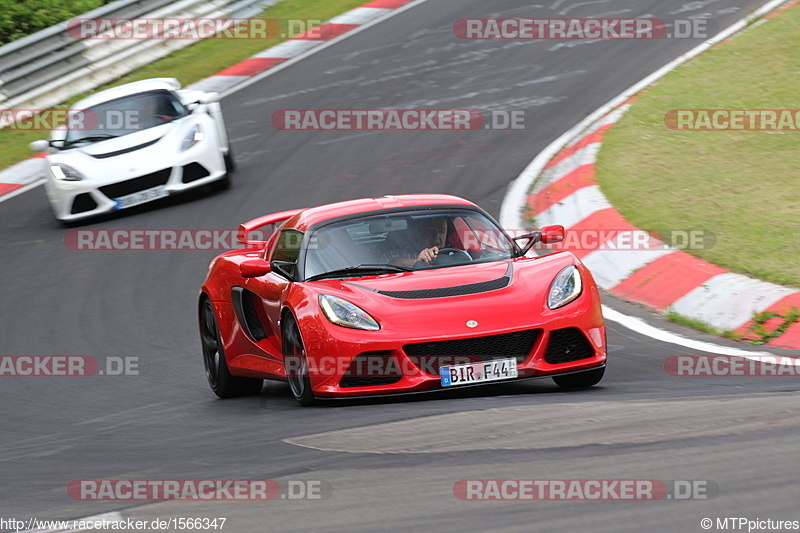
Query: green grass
point(743, 186)
point(699, 325)
point(20, 18)
point(765, 327)
point(190, 64)
point(770, 325)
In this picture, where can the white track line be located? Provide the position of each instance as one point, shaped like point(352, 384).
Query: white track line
point(516, 196)
point(21, 190)
point(640, 326)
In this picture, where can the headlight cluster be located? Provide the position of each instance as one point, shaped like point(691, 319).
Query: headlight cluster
point(194, 136)
point(343, 313)
point(65, 172)
point(566, 287)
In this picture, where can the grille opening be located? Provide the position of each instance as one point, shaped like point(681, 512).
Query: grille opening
point(82, 203)
point(193, 172)
point(142, 183)
point(370, 369)
point(567, 345)
point(430, 356)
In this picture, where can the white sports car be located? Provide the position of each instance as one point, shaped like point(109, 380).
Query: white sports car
point(134, 144)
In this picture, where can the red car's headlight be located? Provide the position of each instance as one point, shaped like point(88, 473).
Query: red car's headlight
point(566, 287)
point(343, 313)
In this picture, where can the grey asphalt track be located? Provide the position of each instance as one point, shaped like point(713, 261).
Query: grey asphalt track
point(640, 423)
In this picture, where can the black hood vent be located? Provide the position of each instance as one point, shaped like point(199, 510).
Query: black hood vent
point(126, 150)
point(444, 292)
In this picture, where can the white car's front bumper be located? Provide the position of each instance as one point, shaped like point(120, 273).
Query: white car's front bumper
point(117, 182)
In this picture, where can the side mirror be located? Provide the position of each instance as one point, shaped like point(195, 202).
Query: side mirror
point(547, 235)
point(552, 234)
point(285, 269)
point(39, 146)
point(255, 268)
point(208, 98)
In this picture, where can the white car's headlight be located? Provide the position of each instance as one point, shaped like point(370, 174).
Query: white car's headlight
point(65, 172)
point(566, 287)
point(343, 313)
point(194, 136)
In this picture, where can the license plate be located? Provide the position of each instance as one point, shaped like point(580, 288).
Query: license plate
point(130, 200)
point(478, 372)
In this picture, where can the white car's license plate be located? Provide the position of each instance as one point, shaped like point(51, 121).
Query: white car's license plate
point(130, 200)
point(478, 372)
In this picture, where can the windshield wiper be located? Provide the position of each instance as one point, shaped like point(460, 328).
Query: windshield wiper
point(364, 267)
point(93, 138)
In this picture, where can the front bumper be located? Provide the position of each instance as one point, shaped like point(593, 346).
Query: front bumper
point(433, 390)
point(99, 194)
point(351, 363)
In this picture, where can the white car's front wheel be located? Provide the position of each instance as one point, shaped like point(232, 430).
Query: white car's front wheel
point(230, 165)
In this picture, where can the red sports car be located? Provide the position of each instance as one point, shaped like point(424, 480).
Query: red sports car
point(397, 294)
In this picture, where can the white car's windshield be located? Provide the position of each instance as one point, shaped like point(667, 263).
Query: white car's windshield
point(395, 242)
point(123, 116)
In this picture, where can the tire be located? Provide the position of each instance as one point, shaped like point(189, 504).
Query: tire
point(221, 184)
point(219, 377)
point(296, 363)
point(230, 163)
point(225, 182)
point(67, 224)
point(582, 380)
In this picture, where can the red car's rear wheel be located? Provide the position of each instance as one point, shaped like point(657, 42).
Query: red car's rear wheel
point(219, 377)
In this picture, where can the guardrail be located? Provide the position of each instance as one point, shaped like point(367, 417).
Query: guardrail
point(48, 67)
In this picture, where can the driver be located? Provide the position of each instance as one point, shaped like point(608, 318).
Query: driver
point(432, 235)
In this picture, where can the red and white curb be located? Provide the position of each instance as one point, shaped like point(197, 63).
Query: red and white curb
point(559, 186)
point(661, 277)
point(300, 45)
point(20, 177)
point(28, 174)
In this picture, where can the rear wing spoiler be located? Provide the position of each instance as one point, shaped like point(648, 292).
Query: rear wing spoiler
point(243, 235)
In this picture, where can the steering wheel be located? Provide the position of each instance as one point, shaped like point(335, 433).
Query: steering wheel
point(449, 256)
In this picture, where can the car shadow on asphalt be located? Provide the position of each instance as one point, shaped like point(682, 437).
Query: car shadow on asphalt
point(278, 391)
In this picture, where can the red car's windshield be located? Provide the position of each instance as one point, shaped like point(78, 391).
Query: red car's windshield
point(395, 241)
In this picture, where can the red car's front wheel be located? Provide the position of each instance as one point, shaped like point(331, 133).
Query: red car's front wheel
point(296, 363)
point(582, 380)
